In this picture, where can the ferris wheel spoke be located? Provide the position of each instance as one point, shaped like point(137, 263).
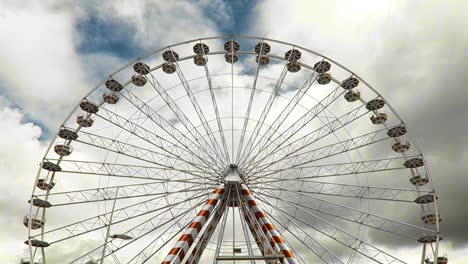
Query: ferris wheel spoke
point(137, 232)
point(345, 238)
point(314, 136)
point(328, 151)
point(122, 215)
point(354, 191)
point(157, 174)
point(267, 137)
point(190, 145)
point(143, 257)
point(171, 149)
point(199, 112)
point(153, 247)
point(302, 173)
point(304, 237)
point(249, 108)
point(184, 120)
point(348, 213)
point(216, 110)
point(303, 120)
point(139, 153)
point(258, 126)
point(128, 191)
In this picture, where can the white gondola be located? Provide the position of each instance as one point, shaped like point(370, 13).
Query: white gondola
point(113, 85)
point(138, 80)
point(430, 217)
point(36, 223)
point(110, 98)
point(294, 66)
point(199, 60)
point(47, 165)
point(425, 199)
point(379, 118)
point(45, 185)
point(324, 78)
point(414, 163)
point(352, 96)
point(121, 236)
point(264, 59)
point(292, 55)
point(440, 259)
point(350, 83)
point(397, 131)
point(231, 44)
point(84, 120)
point(429, 239)
point(141, 68)
point(418, 180)
point(67, 134)
point(322, 66)
point(262, 47)
point(231, 57)
point(40, 203)
point(169, 68)
point(63, 150)
point(89, 107)
point(375, 104)
point(37, 243)
point(401, 146)
point(170, 56)
point(201, 49)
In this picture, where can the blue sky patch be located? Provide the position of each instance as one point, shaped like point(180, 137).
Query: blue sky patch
point(115, 37)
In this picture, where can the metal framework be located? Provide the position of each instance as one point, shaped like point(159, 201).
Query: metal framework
point(246, 150)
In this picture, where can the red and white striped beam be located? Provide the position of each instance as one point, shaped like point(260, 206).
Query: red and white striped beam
point(197, 252)
point(276, 241)
point(260, 238)
point(182, 247)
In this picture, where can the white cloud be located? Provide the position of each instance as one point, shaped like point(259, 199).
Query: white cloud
point(40, 70)
point(20, 154)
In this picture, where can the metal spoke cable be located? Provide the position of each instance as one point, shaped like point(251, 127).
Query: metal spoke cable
point(199, 111)
point(185, 121)
point(189, 145)
point(288, 109)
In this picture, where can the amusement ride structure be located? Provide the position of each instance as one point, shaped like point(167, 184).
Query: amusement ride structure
point(233, 149)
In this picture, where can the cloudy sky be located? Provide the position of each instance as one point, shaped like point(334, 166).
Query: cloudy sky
point(412, 52)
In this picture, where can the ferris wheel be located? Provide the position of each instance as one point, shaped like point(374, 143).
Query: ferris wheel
point(233, 149)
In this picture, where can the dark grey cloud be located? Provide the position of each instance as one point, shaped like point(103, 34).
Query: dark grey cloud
point(423, 75)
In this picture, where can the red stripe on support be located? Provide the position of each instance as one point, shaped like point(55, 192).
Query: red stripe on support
point(188, 238)
point(204, 213)
point(277, 239)
point(181, 255)
point(219, 191)
point(259, 215)
point(246, 192)
point(287, 253)
point(174, 251)
point(252, 203)
point(196, 225)
point(268, 227)
point(212, 202)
